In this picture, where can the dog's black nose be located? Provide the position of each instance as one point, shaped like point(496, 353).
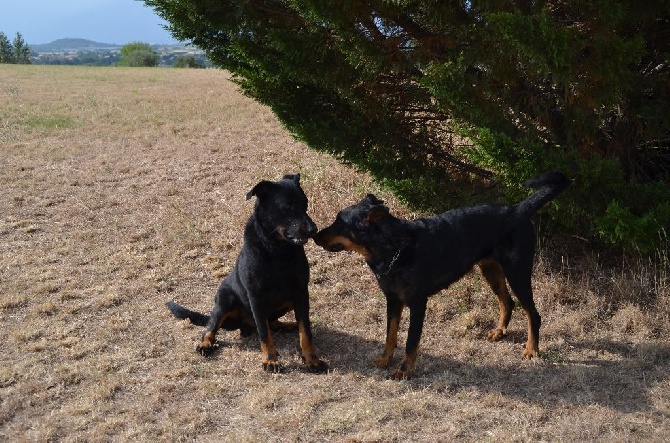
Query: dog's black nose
point(310, 228)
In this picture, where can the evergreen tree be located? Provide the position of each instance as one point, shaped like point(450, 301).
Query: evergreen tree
point(402, 89)
point(16, 52)
point(6, 50)
point(21, 50)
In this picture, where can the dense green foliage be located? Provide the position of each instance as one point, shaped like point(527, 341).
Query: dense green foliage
point(431, 95)
point(138, 54)
point(16, 52)
point(187, 61)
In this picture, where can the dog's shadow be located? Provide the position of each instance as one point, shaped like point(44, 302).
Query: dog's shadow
point(622, 381)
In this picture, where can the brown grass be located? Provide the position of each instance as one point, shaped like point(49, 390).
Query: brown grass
point(123, 188)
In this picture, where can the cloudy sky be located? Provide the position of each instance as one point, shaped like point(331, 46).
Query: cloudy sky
point(103, 21)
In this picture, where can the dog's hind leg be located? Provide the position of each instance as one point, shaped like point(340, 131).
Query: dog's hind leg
point(207, 345)
point(495, 277)
point(519, 278)
point(221, 312)
point(284, 326)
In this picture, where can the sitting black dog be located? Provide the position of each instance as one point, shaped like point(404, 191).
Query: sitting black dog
point(270, 276)
point(413, 260)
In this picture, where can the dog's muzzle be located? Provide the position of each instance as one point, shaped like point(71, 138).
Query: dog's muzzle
point(326, 242)
point(305, 231)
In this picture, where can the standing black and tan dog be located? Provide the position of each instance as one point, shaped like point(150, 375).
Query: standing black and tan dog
point(413, 260)
point(270, 276)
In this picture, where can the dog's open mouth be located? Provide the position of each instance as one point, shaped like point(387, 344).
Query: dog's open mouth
point(299, 240)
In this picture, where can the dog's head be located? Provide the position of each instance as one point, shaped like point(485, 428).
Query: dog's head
point(354, 227)
point(281, 208)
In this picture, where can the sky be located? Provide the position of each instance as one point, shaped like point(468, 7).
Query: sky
point(103, 21)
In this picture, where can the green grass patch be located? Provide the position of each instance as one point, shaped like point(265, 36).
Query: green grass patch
point(51, 122)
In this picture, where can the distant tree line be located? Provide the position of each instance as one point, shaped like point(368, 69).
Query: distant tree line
point(107, 57)
point(84, 57)
point(135, 54)
point(131, 55)
point(16, 52)
point(139, 54)
point(189, 61)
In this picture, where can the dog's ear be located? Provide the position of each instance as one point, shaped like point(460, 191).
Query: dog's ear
point(376, 209)
point(372, 200)
point(295, 178)
point(376, 213)
point(260, 189)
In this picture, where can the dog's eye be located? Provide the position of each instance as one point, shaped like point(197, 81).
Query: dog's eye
point(289, 208)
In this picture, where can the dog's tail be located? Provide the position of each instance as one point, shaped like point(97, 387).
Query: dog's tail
point(548, 186)
point(181, 313)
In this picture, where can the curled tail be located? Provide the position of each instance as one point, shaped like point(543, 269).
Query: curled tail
point(548, 186)
point(181, 313)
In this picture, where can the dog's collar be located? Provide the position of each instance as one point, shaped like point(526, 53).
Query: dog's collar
point(390, 266)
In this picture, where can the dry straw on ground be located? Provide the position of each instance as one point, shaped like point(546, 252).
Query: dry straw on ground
point(123, 188)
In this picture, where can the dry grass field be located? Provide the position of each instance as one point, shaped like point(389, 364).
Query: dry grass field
point(124, 188)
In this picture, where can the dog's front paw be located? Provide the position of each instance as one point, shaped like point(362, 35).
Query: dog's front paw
point(317, 366)
point(272, 366)
point(529, 353)
point(496, 334)
point(382, 362)
point(399, 374)
point(206, 348)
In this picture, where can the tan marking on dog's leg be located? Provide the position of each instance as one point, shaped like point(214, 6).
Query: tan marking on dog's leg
point(269, 353)
point(306, 345)
point(309, 356)
point(209, 338)
point(391, 343)
point(495, 277)
point(532, 347)
point(407, 367)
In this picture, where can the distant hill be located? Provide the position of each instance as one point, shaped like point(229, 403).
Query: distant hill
point(71, 44)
